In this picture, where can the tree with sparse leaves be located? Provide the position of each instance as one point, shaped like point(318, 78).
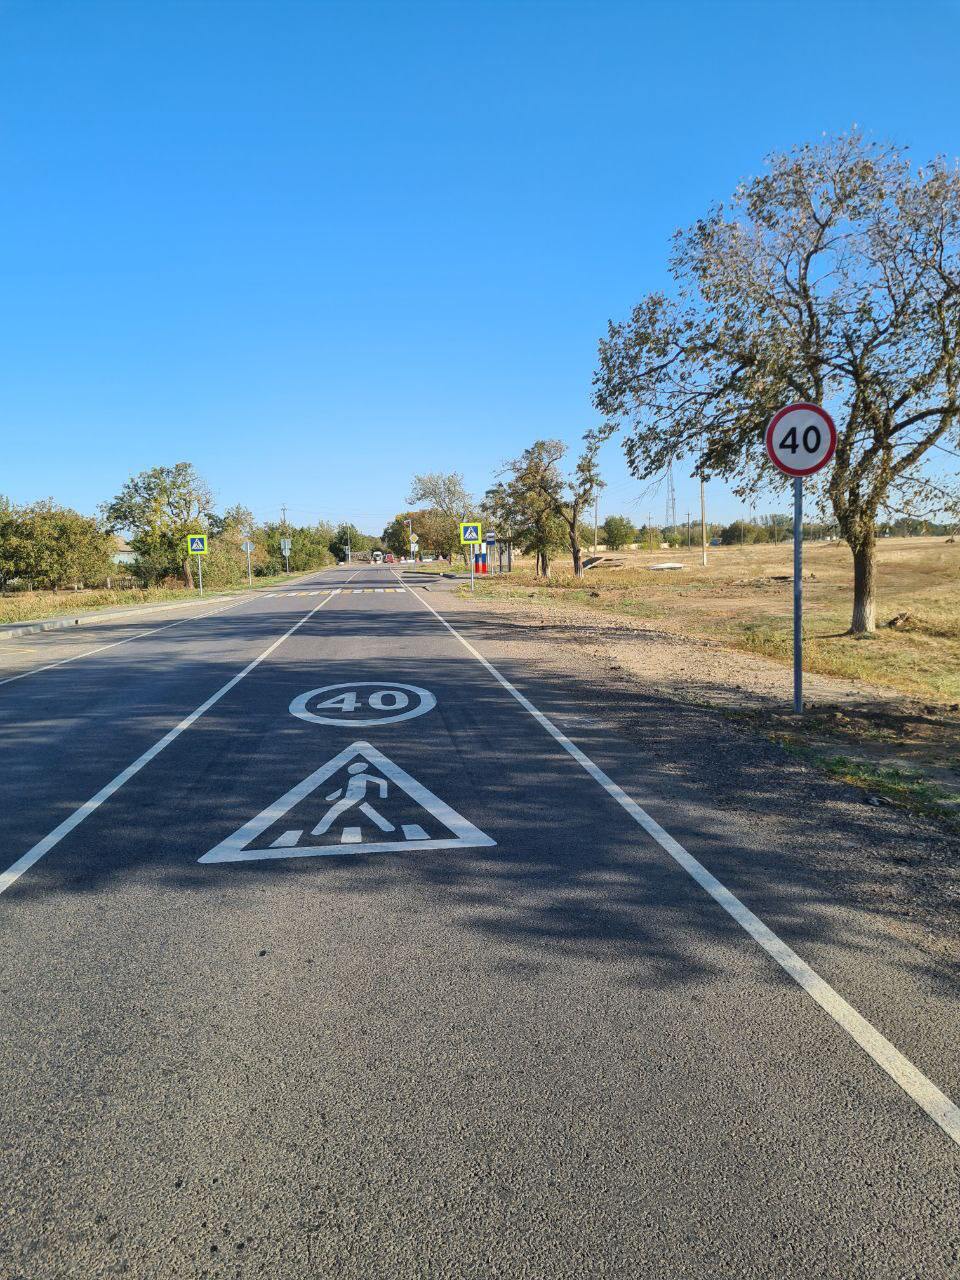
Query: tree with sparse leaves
point(526, 518)
point(444, 493)
point(834, 277)
point(538, 473)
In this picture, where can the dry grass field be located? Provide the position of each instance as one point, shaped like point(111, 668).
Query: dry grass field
point(744, 599)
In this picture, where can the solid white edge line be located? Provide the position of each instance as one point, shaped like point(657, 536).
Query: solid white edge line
point(900, 1069)
point(32, 856)
point(245, 598)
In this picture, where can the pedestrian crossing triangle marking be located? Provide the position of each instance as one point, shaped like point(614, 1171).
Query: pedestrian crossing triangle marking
point(377, 808)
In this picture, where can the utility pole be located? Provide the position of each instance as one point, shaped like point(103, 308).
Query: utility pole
point(650, 528)
point(703, 519)
point(670, 521)
point(688, 531)
point(596, 513)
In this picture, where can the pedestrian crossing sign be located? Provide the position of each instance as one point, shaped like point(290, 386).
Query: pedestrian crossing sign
point(471, 531)
point(197, 544)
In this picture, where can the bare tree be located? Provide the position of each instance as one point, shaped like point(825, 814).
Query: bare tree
point(834, 278)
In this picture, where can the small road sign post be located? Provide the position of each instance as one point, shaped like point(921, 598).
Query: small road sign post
point(471, 535)
point(414, 543)
point(801, 439)
point(247, 546)
point(197, 546)
point(285, 548)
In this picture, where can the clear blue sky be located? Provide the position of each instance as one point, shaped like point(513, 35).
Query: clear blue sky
point(315, 247)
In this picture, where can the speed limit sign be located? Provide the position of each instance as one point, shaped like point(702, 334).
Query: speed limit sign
point(801, 439)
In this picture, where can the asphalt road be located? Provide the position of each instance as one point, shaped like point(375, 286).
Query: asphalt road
point(396, 979)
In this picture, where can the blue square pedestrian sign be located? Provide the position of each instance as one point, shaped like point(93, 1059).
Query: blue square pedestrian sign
point(197, 544)
point(471, 531)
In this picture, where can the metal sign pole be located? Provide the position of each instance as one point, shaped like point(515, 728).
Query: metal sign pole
point(473, 562)
point(249, 570)
point(798, 595)
point(200, 571)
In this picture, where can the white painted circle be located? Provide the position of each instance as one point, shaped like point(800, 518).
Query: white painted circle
point(801, 439)
point(348, 704)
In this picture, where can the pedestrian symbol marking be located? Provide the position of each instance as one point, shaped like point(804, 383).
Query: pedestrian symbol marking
point(471, 531)
point(197, 544)
point(362, 703)
point(358, 802)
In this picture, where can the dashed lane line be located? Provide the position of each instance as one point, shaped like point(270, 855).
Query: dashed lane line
point(357, 591)
point(941, 1109)
point(50, 841)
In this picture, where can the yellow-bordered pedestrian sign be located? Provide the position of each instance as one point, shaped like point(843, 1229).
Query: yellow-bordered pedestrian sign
point(197, 544)
point(471, 531)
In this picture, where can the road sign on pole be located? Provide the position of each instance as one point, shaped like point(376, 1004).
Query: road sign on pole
point(197, 546)
point(801, 439)
point(247, 546)
point(285, 548)
point(471, 531)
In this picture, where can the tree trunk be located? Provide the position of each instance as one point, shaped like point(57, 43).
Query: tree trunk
point(864, 586)
point(577, 555)
point(188, 573)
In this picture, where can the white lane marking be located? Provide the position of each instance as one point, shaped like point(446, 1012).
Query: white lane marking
point(27, 860)
point(152, 631)
point(899, 1068)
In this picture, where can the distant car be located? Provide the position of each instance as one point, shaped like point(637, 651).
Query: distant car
point(388, 558)
point(426, 559)
point(377, 557)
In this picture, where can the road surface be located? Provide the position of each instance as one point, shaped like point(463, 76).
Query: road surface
point(336, 942)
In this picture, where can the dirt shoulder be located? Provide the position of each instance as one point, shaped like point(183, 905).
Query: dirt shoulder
point(898, 749)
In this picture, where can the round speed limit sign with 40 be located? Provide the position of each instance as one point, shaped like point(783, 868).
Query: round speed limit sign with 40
point(801, 439)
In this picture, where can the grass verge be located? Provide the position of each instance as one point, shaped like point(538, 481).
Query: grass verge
point(37, 606)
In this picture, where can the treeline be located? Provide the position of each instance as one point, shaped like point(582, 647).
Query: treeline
point(46, 546)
